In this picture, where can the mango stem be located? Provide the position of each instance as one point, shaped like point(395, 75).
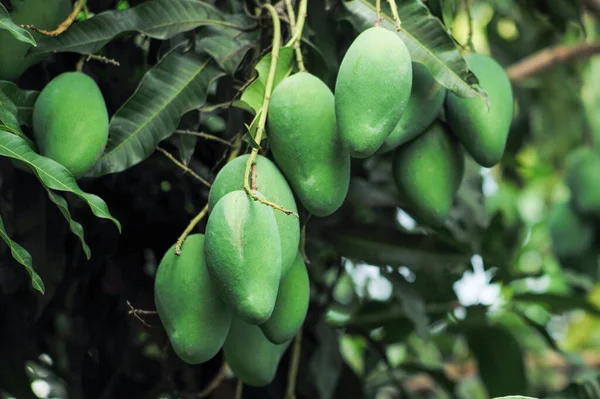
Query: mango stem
point(63, 25)
point(378, 18)
point(189, 228)
point(394, 8)
point(263, 113)
point(294, 363)
point(294, 27)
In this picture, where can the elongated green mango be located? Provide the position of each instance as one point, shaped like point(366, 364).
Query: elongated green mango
point(483, 131)
point(305, 144)
point(572, 235)
point(70, 122)
point(291, 306)
point(243, 255)
point(583, 175)
point(372, 90)
point(424, 105)
point(428, 171)
point(272, 184)
point(250, 355)
point(43, 14)
point(189, 306)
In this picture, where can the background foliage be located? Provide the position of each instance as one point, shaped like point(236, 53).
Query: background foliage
point(478, 309)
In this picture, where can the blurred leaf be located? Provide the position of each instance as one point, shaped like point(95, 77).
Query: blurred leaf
point(412, 303)
point(52, 174)
point(177, 84)
point(8, 118)
point(19, 33)
point(426, 39)
point(499, 358)
point(349, 385)
point(515, 397)
point(326, 363)
point(559, 303)
point(24, 100)
point(255, 92)
point(75, 227)
point(158, 19)
point(21, 255)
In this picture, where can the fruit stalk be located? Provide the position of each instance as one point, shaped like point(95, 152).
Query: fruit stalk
point(378, 13)
point(64, 25)
point(263, 113)
point(394, 8)
point(299, 23)
point(189, 229)
point(294, 363)
point(293, 25)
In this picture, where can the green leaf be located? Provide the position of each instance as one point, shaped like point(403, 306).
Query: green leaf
point(24, 100)
point(52, 174)
point(75, 227)
point(21, 255)
point(8, 118)
point(255, 93)
point(515, 397)
point(227, 45)
point(426, 39)
point(176, 85)
point(19, 33)
point(560, 303)
point(499, 359)
point(158, 19)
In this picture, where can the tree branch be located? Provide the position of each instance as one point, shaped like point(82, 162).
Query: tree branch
point(593, 6)
point(549, 57)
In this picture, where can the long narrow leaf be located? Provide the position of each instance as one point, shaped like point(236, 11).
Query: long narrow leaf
point(52, 174)
point(24, 100)
point(19, 33)
point(75, 227)
point(9, 118)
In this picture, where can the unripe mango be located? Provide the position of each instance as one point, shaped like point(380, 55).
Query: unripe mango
point(571, 234)
point(291, 305)
point(372, 89)
point(428, 171)
point(304, 140)
point(70, 122)
point(583, 175)
point(424, 105)
point(243, 255)
point(43, 14)
point(250, 355)
point(483, 131)
point(189, 306)
point(272, 184)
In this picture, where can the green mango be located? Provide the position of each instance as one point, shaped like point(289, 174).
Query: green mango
point(428, 171)
point(43, 14)
point(482, 130)
point(571, 234)
point(372, 90)
point(583, 175)
point(243, 255)
point(291, 305)
point(189, 306)
point(250, 355)
point(272, 184)
point(70, 122)
point(305, 143)
point(424, 105)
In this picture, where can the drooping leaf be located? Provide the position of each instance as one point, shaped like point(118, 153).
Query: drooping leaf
point(8, 118)
point(176, 85)
point(560, 303)
point(255, 92)
point(158, 19)
point(227, 45)
point(19, 33)
point(75, 227)
point(426, 40)
point(21, 255)
point(52, 174)
point(24, 100)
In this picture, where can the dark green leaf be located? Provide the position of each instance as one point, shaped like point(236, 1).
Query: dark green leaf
point(24, 100)
point(326, 363)
point(19, 33)
point(52, 174)
point(176, 85)
point(426, 39)
point(75, 227)
point(228, 46)
point(159, 19)
point(412, 303)
point(21, 255)
point(8, 118)
point(560, 303)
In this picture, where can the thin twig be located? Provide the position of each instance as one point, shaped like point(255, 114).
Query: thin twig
point(103, 59)
point(378, 18)
point(394, 8)
point(204, 136)
point(216, 381)
point(238, 389)
point(294, 364)
point(189, 228)
point(550, 57)
point(297, 49)
point(182, 166)
point(63, 25)
point(137, 312)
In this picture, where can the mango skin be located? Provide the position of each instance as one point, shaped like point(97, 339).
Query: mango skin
point(482, 131)
point(291, 306)
point(250, 355)
point(372, 90)
point(428, 171)
point(70, 122)
point(44, 14)
point(583, 175)
point(305, 144)
point(189, 306)
point(424, 105)
point(243, 255)
point(272, 184)
point(571, 234)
